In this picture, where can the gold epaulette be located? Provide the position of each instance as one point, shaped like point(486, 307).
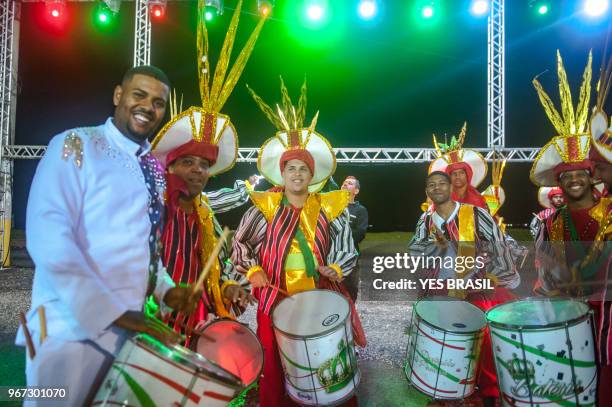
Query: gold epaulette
point(266, 202)
point(334, 203)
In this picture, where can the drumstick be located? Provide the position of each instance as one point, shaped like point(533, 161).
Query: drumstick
point(42, 318)
point(191, 332)
point(523, 262)
point(280, 290)
point(28, 337)
point(210, 261)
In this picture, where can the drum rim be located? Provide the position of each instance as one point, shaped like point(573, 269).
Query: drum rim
point(317, 335)
point(237, 383)
point(515, 327)
point(263, 356)
point(412, 384)
point(338, 402)
point(467, 333)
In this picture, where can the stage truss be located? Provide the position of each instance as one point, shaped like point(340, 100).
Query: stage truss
point(353, 155)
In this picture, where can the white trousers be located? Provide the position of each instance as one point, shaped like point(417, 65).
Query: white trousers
point(77, 366)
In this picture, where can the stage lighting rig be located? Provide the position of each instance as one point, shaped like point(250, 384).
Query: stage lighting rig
point(55, 8)
point(157, 8)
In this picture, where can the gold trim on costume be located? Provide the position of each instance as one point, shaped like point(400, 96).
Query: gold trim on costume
point(334, 203)
point(266, 202)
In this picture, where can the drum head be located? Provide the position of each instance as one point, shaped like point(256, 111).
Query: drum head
point(236, 349)
point(188, 359)
point(537, 312)
point(451, 314)
point(310, 313)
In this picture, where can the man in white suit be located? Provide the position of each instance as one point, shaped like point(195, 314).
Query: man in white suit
point(92, 229)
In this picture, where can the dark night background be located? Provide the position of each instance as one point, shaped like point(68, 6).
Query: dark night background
point(388, 83)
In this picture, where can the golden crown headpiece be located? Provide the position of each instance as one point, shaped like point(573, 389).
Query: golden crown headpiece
point(293, 135)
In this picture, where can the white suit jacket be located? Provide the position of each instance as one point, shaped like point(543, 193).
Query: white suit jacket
point(87, 230)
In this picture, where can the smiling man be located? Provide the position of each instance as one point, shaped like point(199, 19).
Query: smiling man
point(294, 240)
point(572, 250)
point(92, 226)
point(455, 229)
point(196, 144)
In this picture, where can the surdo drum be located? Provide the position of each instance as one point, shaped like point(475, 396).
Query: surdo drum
point(443, 349)
point(544, 352)
point(315, 341)
point(148, 373)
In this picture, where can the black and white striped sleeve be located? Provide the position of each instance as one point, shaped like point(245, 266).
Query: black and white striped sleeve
point(248, 239)
point(502, 266)
point(342, 247)
point(226, 199)
point(421, 243)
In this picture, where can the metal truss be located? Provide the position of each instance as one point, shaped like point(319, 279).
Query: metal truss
point(343, 155)
point(495, 76)
point(9, 50)
point(142, 34)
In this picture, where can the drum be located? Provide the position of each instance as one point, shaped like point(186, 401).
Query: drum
point(443, 349)
point(544, 352)
point(235, 348)
point(147, 373)
point(313, 332)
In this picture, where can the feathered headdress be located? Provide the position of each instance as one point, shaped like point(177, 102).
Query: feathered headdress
point(601, 134)
point(294, 140)
point(203, 129)
point(453, 156)
point(568, 150)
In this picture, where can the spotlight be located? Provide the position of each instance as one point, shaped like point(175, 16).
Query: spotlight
point(541, 7)
point(367, 9)
point(315, 12)
point(427, 11)
point(212, 9)
point(104, 14)
point(157, 8)
point(595, 8)
point(265, 7)
point(55, 8)
point(479, 7)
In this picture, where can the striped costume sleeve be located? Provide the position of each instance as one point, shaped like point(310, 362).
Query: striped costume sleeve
point(421, 243)
point(226, 199)
point(342, 247)
point(249, 238)
point(551, 271)
point(534, 226)
point(501, 265)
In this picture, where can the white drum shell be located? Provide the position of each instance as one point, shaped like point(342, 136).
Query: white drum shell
point(157, 376)
point(306, 359)
point(441, 363)
point(544, 357)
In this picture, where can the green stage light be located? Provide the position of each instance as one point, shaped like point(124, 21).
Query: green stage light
point(543, 9)
point(104, 14)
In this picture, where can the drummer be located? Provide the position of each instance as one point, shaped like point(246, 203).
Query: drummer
point(576, 227)
point(93, 244)
point(196, 144)
point(551, 198)
point(436, 233)
point(292, 240)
